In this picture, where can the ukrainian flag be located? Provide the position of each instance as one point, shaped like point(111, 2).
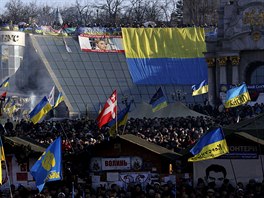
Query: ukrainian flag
point(5, 83)
point(2, 158)
point(122, 118)
point(12, 109)
point(237, 96)
point(209, 146)
point(59, 100)
point(202, 89)
point(41, 109)
point(48, 166)
point(165, 55)
point(158, 101)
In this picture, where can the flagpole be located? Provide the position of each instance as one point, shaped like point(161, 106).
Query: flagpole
point(233, 171)
point(66, 137)
point(73, 189)
point(116, 117)
point(11, 195)
point(124, 128)
point(7, 173)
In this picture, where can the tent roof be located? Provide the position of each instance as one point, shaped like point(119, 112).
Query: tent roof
point(24, 142)
point(251, 129)
point(177, 109)
point(151, 146)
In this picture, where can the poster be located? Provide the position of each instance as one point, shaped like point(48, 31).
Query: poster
point(101, 43)
point(236, 170)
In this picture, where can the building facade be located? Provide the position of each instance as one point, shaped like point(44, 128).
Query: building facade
point(235, 53)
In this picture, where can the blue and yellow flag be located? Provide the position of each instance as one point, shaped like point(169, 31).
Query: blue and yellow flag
point(122, 118)
point(5, 83)
point(11, 109)
point(237, 96)
point(41, 109)
point(60, 98)
point(165, 55)
point(48, 166)
point(209, 146)
point(158, 101)
point(2, 158)
point(7, 102)
point(202, 89)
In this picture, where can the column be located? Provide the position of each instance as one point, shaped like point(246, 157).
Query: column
point(211, 80)
point(222, 74)
point(221, 77)
point(235, 62)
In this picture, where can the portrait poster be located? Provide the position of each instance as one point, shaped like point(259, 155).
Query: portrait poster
point(101, 43)
point(240, 170)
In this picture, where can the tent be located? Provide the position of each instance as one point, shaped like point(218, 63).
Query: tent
point(251, 129)
point(177, 109)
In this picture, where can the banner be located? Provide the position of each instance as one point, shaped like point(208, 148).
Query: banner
point(242, 169)
point(122, 163)
point(157, 56)
point(100, 43)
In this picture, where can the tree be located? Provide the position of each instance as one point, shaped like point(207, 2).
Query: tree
point(199, 12)
point(110, 10)
point(179, 12)
point(45, 15)
point(15, 9)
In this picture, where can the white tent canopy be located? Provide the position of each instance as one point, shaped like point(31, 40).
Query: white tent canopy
point(177, 109)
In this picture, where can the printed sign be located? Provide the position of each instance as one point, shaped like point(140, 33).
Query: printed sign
point(122, 163)
point(12, 38)
point(101, 43)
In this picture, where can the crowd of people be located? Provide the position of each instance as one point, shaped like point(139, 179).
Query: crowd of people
point(252, 189)
point(174, 133)
point(109, 28)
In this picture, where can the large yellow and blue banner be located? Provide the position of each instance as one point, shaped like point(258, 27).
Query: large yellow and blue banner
point(209, 146)
point(165, 55)
point(237, 96)
point(48, 166)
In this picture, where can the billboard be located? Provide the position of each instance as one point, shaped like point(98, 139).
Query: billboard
point(100, 43)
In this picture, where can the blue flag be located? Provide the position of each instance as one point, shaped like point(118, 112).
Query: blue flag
point(158, 101)
point(40, 110)
point(60, 98)
point(5, 83)
point(210, 145)
point(237, 96)
point(202, 89)
point(48, 166)
point(122, 118)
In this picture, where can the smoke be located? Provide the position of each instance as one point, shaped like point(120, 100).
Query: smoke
point(32, 101)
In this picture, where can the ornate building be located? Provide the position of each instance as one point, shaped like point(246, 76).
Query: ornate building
point(235, 53)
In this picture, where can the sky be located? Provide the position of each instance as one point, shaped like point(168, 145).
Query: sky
point(55, 3)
